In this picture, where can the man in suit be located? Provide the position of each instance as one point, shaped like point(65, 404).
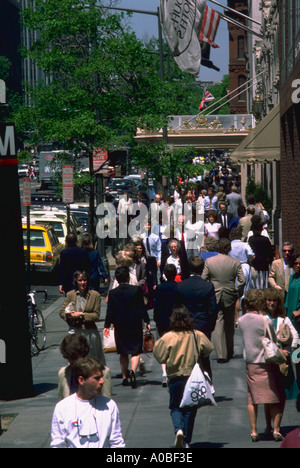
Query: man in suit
point(245, 222)
point(223, 271)
point(152, 243)
point(280, 272)
point(200, 299)
point(234, 200)
point(223, 216)
point(72, 258)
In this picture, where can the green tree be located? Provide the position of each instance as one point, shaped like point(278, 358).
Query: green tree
point(102, 84)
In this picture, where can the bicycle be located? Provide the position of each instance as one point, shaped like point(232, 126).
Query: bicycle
point(37, 326)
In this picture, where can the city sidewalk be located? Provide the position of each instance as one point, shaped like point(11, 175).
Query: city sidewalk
point(145, 418)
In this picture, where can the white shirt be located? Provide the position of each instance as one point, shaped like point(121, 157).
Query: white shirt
point(92, 423)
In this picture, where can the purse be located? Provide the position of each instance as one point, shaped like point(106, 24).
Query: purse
point(284, 335)
point(148, 342)
point(198, 390)
point(272, 353)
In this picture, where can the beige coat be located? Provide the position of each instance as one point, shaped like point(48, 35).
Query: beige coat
point(276, 275)
point(223, 271)
point(91, 311)
point(177, 350)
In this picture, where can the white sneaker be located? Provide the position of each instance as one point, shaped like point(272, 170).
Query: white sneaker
point(179, 439)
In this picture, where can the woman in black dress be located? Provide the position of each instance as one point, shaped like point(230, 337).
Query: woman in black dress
point(126, 311)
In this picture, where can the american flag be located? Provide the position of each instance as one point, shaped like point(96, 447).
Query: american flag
point(209, 26)
point(207, 97)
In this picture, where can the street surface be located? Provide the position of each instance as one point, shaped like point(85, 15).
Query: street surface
point(144, 412)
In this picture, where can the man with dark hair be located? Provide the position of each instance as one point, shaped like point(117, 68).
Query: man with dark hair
point(86, 419)
point(72, 258)
point(200, 299)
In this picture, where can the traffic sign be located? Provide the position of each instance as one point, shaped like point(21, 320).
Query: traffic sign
point(68, 183)
point(26, 201)
point(99, 157)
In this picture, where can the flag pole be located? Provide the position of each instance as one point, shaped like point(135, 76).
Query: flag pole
point(236, 12)
point(240, 25)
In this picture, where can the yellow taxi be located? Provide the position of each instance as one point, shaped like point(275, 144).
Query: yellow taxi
point(45, 247)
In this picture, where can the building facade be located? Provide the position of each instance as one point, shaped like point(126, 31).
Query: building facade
point(290, 118)
point(238, 58)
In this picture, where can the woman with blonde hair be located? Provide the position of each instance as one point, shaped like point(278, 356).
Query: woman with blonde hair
point(263, 379)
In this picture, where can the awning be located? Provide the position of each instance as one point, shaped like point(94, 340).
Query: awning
point(262, 144)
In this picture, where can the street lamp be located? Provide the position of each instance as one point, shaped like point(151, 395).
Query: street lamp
point(258, 104)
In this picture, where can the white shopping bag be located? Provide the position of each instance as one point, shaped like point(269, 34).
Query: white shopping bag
point(198, 390)
point(109, 343)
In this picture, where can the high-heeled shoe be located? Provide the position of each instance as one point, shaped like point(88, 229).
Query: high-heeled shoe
point(255, 437)
point(278, 437)
point(132, 379)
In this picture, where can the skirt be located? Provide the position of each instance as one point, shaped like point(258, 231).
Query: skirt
point(264, 384)
point(94, 340)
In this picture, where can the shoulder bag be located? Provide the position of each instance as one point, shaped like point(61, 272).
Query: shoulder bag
point(272, 353)
point(198, 390)
point(284, 335)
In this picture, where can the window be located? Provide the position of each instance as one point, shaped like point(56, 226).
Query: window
point(36, 238)
point(241, 47)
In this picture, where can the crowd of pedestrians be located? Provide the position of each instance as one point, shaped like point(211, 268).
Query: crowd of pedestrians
point(204, 278)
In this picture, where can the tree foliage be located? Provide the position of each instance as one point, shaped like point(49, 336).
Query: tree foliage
point(101, 82)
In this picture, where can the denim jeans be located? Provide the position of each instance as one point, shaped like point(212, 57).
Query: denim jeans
point(182, 418)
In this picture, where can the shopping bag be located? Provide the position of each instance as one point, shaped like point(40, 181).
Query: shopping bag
point(109, 343)
point(198, 390)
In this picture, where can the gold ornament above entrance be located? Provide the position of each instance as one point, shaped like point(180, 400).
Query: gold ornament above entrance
point(202, 131)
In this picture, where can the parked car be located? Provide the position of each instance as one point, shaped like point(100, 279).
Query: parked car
point(23, 170)
point(59, 224)
point(116, 185)
point(62, 214)
point(45, 247)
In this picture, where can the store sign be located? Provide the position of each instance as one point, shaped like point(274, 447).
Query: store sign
point(296, 93)
point(8, 144)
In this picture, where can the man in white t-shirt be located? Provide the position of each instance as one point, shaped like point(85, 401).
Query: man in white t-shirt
point(86, 419)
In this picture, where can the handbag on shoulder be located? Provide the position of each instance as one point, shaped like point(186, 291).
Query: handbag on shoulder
point(272, 353)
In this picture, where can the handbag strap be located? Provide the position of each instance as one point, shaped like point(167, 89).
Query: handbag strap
point(197, 352)
point(267, 330)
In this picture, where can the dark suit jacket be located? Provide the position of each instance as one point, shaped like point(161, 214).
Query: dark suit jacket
point(199, 297)
point(184, 263)
point(164, 301)
point(71, 260)
point(126, 307)
point(229, 217)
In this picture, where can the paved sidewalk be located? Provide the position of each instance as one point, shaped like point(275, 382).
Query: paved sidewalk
point(145, 418)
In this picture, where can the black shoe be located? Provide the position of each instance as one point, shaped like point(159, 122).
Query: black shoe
point(222, 361)
point(132, 379)
point(125, 383)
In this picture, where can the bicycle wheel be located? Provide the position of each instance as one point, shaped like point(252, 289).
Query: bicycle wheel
point(39, 330)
